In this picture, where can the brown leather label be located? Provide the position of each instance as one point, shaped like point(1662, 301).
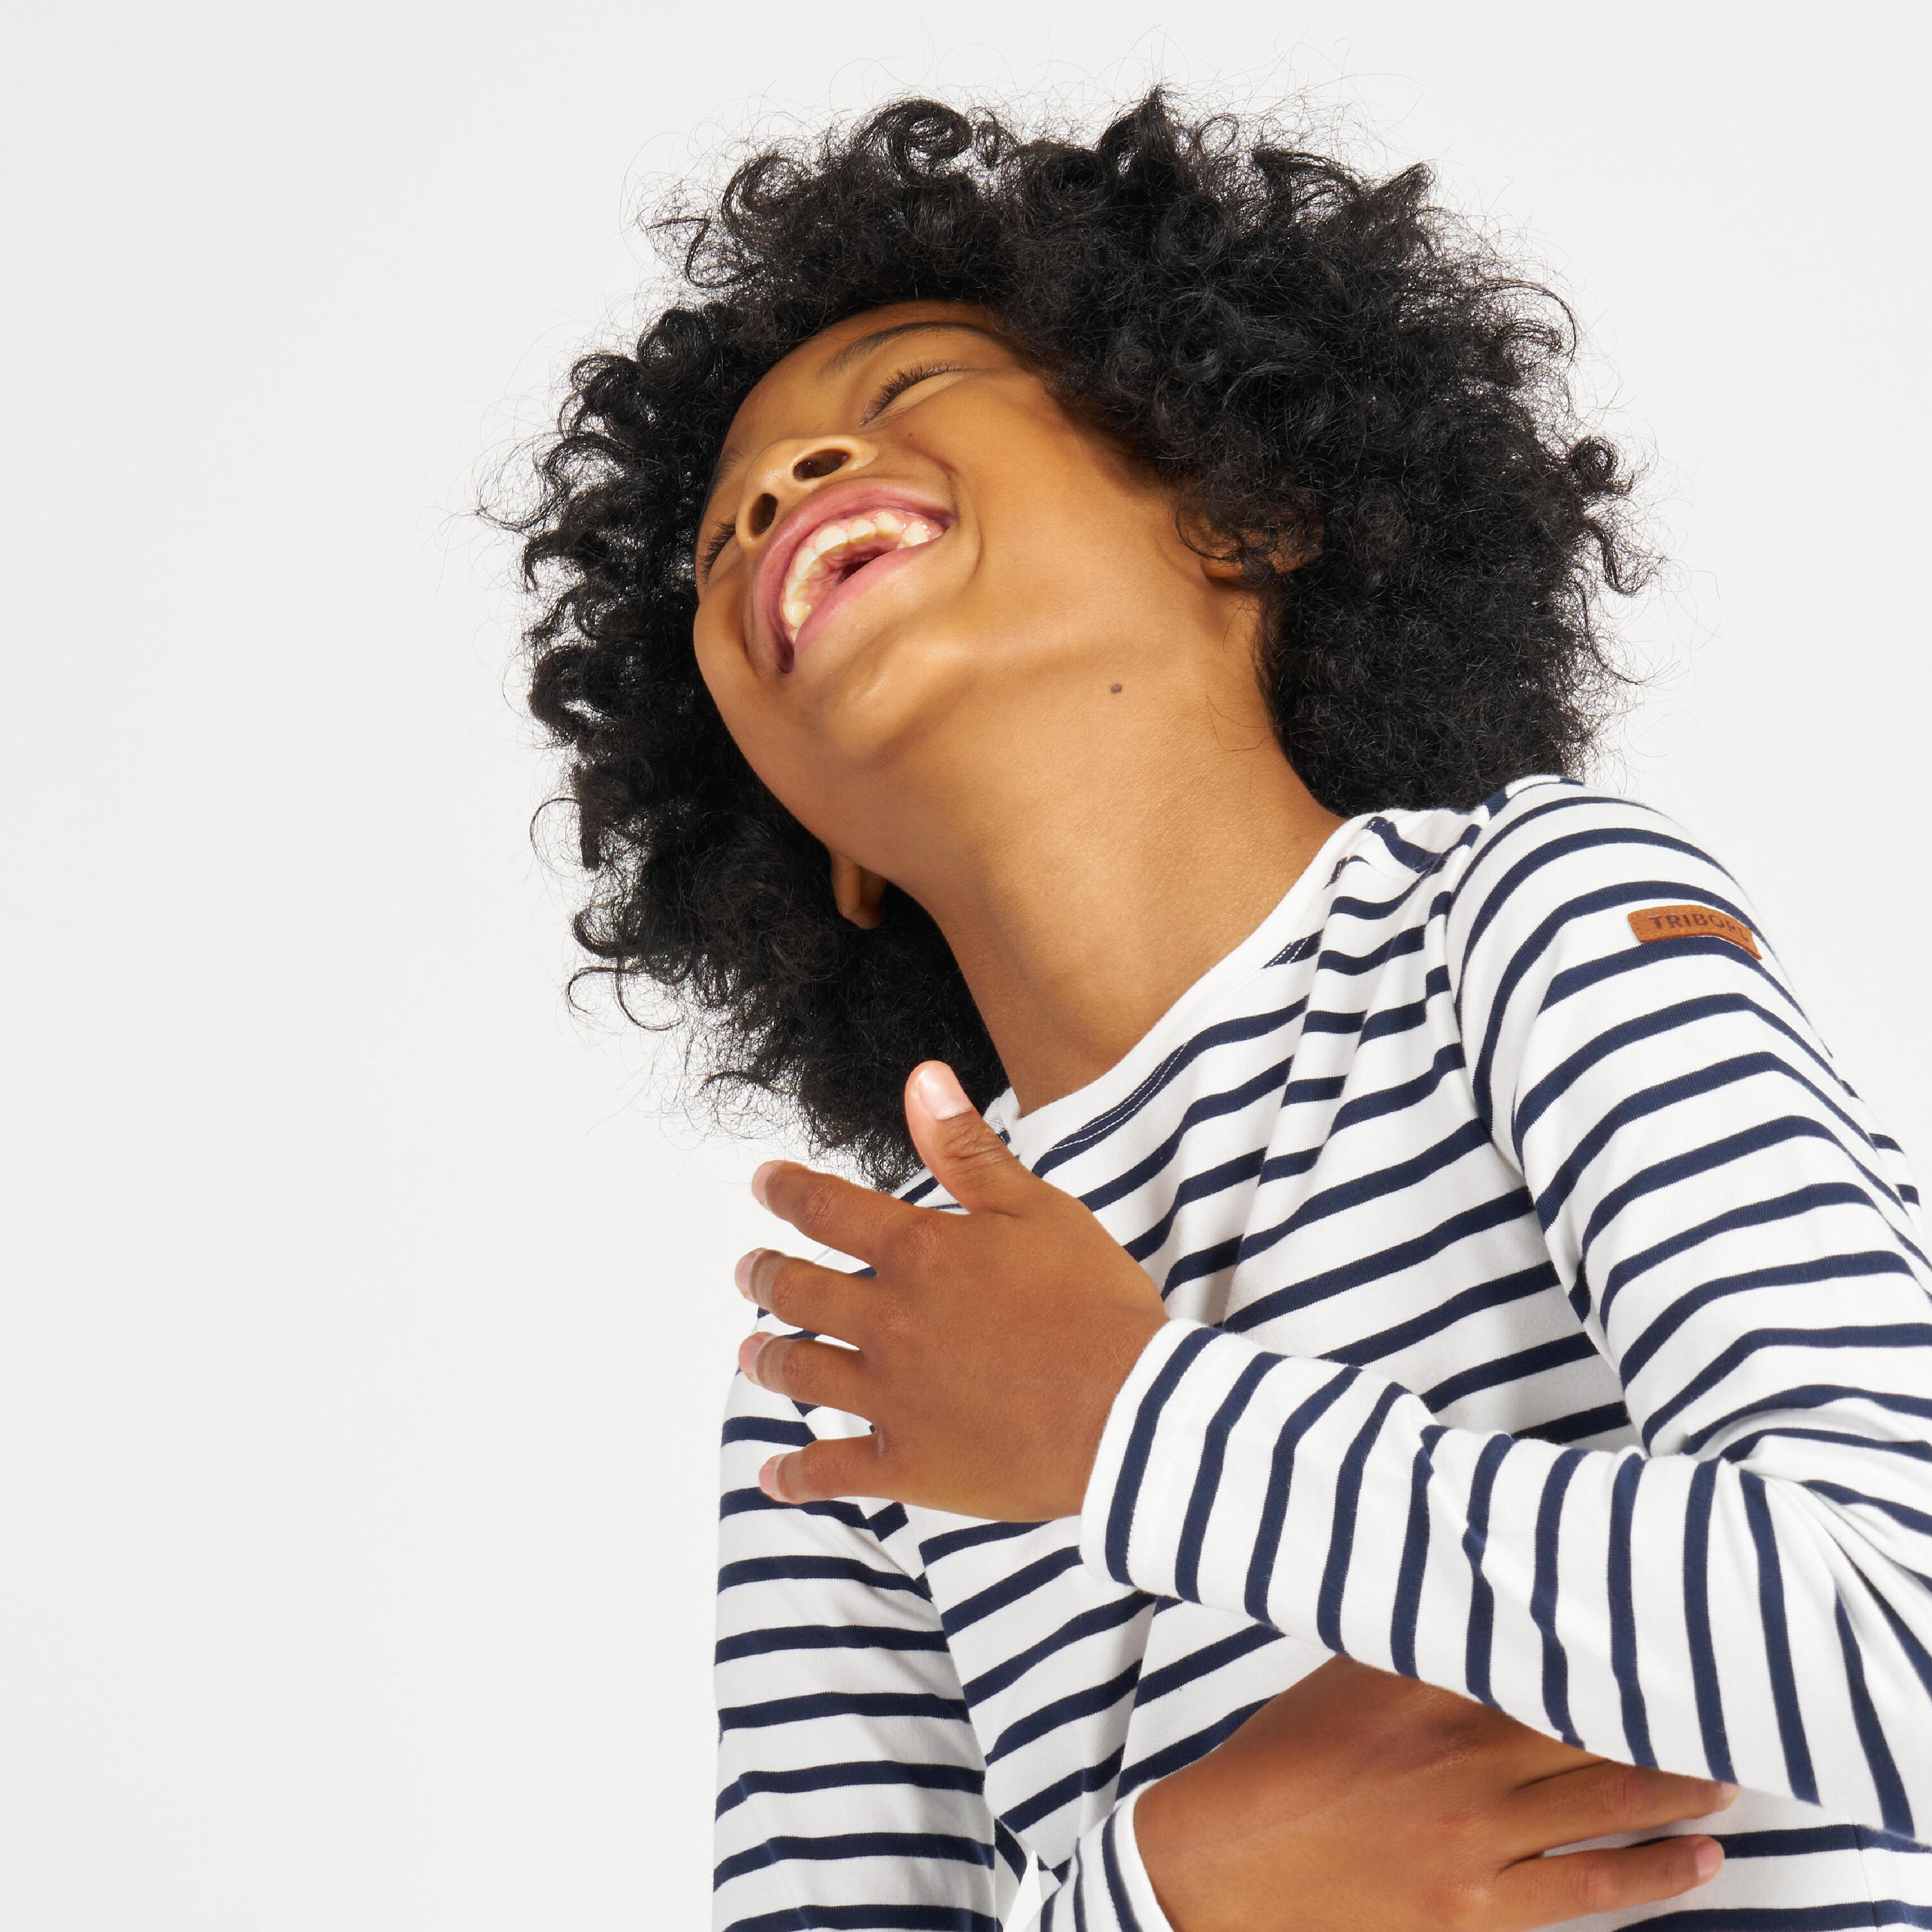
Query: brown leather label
point(1693, 921)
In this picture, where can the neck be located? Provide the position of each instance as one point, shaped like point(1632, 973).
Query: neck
point(1088, 893)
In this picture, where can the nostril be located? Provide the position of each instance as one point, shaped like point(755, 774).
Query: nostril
point(761, 513)
point(820, 462)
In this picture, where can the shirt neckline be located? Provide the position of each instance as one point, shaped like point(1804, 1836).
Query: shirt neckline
point(1031, 1135)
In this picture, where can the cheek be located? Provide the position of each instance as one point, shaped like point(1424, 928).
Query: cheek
point(759, 724)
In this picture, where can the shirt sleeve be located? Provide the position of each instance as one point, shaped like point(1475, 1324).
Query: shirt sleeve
point(851, 1785)
point(1106, 1888)
point(1744, 1596)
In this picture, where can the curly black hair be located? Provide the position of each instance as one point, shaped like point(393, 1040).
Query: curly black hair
point(1317, 362)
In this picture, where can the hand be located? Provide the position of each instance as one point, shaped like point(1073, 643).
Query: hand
point(989, 1347)
point(1360, 1799)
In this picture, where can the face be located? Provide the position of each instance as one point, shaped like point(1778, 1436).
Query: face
point(918, 571)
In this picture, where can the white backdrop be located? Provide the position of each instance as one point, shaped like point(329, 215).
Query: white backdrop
point(365, 1332)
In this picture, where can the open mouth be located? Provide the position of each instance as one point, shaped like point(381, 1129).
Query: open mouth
point(830, 556)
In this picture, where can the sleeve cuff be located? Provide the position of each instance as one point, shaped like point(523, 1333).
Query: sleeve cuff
point(1136, 1886)
point(1171, 1453)
point(1108, 1889)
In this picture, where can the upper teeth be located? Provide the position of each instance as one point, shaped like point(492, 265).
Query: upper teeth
point(816, 563)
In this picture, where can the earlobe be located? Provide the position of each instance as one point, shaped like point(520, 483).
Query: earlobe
point(1298, 546)
point(858, 894)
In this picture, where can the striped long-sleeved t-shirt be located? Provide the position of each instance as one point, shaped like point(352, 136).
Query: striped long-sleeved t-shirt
point(1549, 1322)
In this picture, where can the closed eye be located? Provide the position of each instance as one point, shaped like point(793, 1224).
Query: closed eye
point(894, 386)
point(721, 535)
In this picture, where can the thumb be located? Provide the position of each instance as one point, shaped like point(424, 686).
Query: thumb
point(966, 1157)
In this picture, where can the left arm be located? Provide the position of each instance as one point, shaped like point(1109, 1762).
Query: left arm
point(1746, 1597)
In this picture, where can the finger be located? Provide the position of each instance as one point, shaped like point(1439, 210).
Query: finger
point(1541, 1892)
point(839, 1213)
point(965, 1156)
point(828, 1301)
point(813, 1372)
point(853, 1466)
point(1599, 1798)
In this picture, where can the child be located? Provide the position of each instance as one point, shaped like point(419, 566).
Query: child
point(1422, 1327)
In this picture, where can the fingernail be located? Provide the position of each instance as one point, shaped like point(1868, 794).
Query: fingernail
point(1710, 1856)
point(940, 1092)
point(742, 1273)
point(768, 1480)
point(1726, 1792)
point(758, 1180)
point(749, 1350)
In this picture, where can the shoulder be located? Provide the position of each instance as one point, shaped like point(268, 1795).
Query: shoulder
point(1578, 923)
point(1550, 861)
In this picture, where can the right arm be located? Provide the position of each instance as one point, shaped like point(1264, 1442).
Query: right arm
point(850, 1781)
point(1357, 1797)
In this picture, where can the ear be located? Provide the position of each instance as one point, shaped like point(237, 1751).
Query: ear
point(1300, 544)
point(858, 893)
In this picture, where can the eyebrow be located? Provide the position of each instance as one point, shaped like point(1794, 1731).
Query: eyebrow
point(836, 365)
point(856, 352)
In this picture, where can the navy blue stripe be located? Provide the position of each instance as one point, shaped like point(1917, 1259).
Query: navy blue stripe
point(1681, 1013)
point(1341, 1519)
point(755, 1501)
point(1117, 1889)
point(1102, 1617)
point(816, 1569)
point(1063, 1792)
point(855, 1845)
point(1697, 1621)
point(1519, 1367)
point(1803, 1781)
point(1203, 1663)
point(826, 1637)
point(1608, 1418)
point(973, 1536)
point(1274, 1504)
point(1752, 1213)
point(1812, 1395)
point(1791, 1274)
point(1861, 1913)
point(1196, 1188)
point(1397, 1178)
point(1228, 1033)
point(867, 1918)
point(1172, 1757)
point(1208, 1476)
point(1513, 1206)
point(1140, 1443)
point(1893, 1807)
point(1623, 1612)
point(1414, 1556)
point(1085, 1702)
point(1009, 1590)
point(1485, 1295)
point(1736, 1451)
point(1899, 1512)
point(1213, 1106)
point(815, 1705)
point(1881, 1335)
point(1804, 1839)
point(1482, 1597)
point(766, 1429)
point(834, 1776)
point(1416, 858)
point(1543, 1596)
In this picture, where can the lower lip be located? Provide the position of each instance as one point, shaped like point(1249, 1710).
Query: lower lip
point(855, 585)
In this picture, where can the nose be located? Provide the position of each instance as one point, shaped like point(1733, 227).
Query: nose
point(789, 470)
